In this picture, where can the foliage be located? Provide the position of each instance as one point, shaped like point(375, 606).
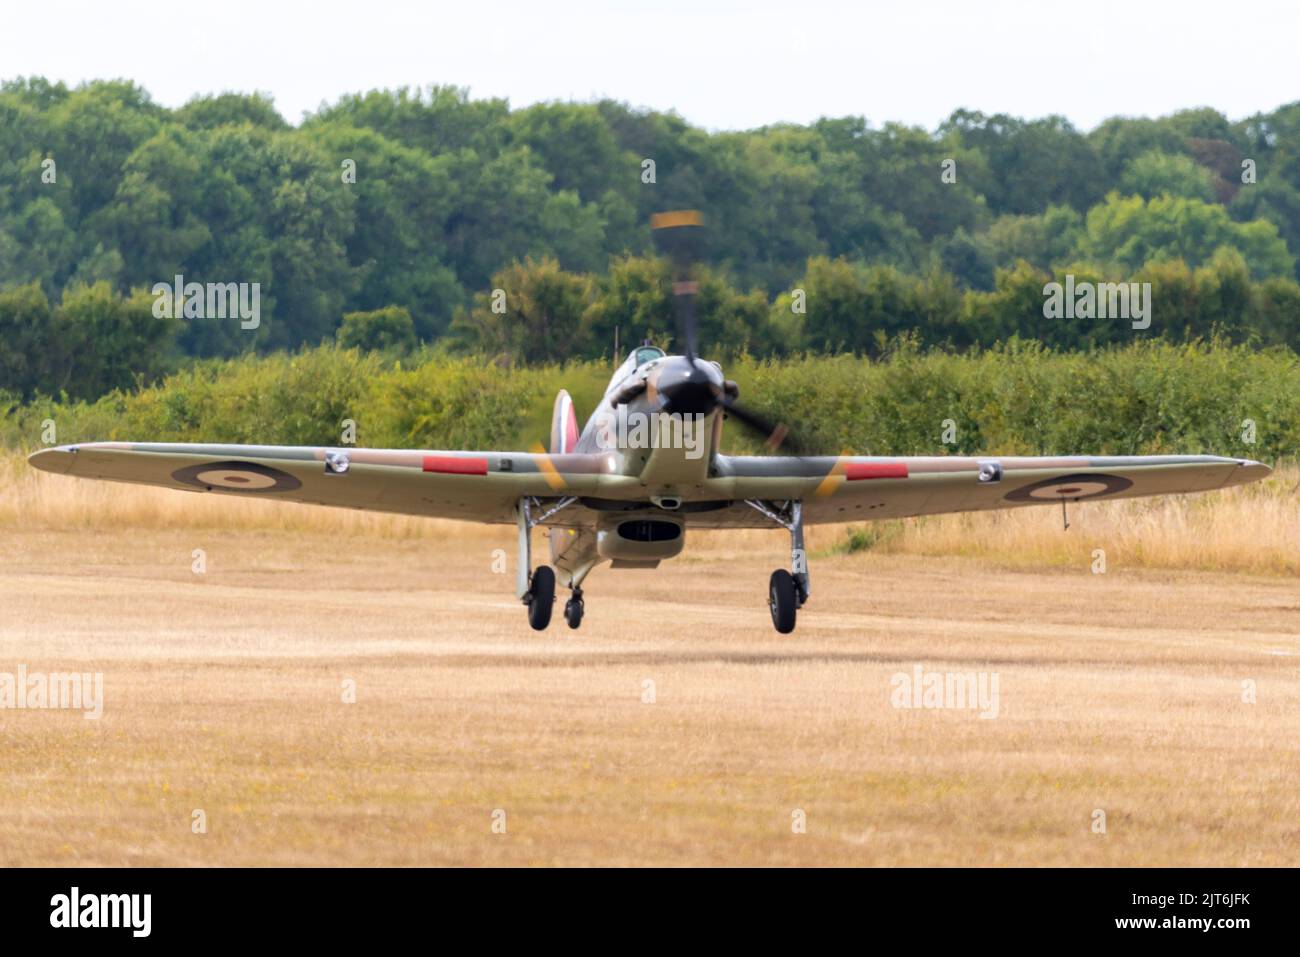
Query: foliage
point(92, 342)
point(382, 330)
point(1149, 396)
point(424, 198)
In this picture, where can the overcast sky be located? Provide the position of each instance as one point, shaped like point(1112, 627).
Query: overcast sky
point(722, 65)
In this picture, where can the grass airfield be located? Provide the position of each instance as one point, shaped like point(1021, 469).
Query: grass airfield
point(674, 728)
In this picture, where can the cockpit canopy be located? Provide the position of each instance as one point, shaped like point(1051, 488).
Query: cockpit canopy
point(646, 354)
point(635, 360)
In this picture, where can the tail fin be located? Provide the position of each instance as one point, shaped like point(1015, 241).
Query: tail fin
point(564, 425)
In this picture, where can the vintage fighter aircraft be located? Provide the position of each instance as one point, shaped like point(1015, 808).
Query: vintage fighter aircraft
point(605, 498)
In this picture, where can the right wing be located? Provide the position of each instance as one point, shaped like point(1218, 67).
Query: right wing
point(853, 488)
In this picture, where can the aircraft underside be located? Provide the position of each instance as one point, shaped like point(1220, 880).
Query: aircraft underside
point(636, 535)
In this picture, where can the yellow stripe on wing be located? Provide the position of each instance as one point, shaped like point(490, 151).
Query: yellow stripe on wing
point(549, 472)
point(834, 478)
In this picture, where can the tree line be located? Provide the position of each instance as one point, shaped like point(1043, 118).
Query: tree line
point(425, 200)
point(94, 341)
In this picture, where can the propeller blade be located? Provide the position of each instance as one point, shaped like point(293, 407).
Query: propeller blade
point(774, 434)
point(679, 236)
point(684, 304)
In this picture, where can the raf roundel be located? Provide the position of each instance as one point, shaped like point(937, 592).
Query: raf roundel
point(1073, 488)
point(237, 477)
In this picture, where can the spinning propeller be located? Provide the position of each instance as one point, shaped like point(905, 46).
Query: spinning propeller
point(696, 389)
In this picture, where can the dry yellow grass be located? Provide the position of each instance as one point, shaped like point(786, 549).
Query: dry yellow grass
point(1120, 692)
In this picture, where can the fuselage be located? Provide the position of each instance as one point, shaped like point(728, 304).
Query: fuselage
point(660, 419)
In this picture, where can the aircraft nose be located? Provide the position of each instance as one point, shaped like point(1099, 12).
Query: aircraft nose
point(687, 387)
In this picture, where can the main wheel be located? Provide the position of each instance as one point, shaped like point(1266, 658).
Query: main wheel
point(783, 600)
point(573, 610)
point(541, 597)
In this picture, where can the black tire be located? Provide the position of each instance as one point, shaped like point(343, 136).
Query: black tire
point(783, 599)
point(573, 610)
point(542, 597)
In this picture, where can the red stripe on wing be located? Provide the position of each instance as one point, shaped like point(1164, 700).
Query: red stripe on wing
point(456, 464)
point(874, 470)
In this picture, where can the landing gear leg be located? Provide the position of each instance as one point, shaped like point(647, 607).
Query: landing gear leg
point(536, 588)
point(798, 557)
point(523, 567)
point(787, 590)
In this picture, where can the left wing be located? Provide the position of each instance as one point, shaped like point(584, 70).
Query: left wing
point(854, 488)
point(475, 486)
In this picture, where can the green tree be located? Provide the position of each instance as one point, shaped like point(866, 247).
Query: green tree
point(1275, 201)
point(536, 312)
point(232, 109)
point(1013, 309)
point(574, 143)
point(969, 260)
point(398, 249)
point(1042, 240)
point(36, 346)
point(94, 130)
point(633, 298)
point(434, 120)
point(1027, 165)
point(382, 330)
point(1131, 232)
point(118, 341)
point(1154, 173)
point(1119, 140)
point(1277, 312)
